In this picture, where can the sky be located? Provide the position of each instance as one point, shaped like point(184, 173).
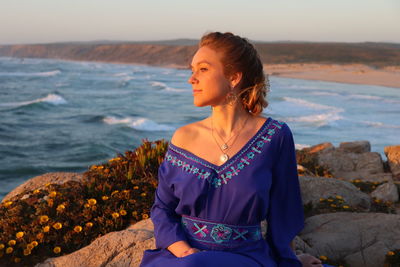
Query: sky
point(46, 21)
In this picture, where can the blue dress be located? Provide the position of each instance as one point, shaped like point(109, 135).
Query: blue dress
point(218, 209)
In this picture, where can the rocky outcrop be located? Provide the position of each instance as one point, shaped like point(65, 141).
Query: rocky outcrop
point(119, 249)
point(350, 161)
point(314, 188)
point(361, 239)
point(40, 182)
point(393, 155)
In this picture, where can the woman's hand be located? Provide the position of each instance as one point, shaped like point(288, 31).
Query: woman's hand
point(189, 251)
point(308, 260)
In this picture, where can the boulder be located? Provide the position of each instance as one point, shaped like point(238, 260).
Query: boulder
point(393, 155)
point(314, 188)
point(122, 248)
point(350, 161)
point(40, 182)
point(386, 192)
point(355, 147)
point(360, 239)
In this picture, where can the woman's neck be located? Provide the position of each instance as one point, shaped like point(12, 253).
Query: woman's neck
point(228, 120)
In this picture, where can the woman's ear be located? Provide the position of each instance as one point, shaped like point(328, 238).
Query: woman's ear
point(235, 79)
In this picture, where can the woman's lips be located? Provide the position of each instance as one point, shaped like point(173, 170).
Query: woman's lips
point(196, 91)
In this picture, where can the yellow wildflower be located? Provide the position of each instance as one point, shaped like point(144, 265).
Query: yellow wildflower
point(357, 180)
point(390, 253)
point(57, 250)
point(36, 191)
point(89, 224)
point(346, 207)
point(143, 194)
point(57, 226)
point(122, 212)
point(330, 200)
point(322, 257)
point(339, 197)
point(29, 246)
point(333, 205)
point(17, 260)
point(53, 194)
point(46, 229)
point(134, 213)
point(40, 236)
point(377, 200)
point(44, 219)
point(321, 199)
point(12, 242)
point(35, 243)
point(19, 234)
point(145, 216)
point(114, 192)
point(60, 208)
point(115, 215)
point(107, 170)
point(27, 252)
point(2, 246)
point(9, 250)
point(93, 167)
point(125, 191)
point(77, 229)
point(7, 204)
point(92, 202)
point(100, 167)
point(104, 198)
point(47, 185)
point(136, 187)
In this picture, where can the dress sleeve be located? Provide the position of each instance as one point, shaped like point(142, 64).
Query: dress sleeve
point(285, 217)
point(167, 223)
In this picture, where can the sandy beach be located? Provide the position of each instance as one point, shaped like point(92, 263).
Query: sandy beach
point(350, 73)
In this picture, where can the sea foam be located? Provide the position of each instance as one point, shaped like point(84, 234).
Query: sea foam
point(142, 124)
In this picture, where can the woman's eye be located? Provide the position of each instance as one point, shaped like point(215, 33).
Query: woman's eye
point(203, 69)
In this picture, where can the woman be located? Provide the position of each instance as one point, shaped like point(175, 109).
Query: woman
point(225, 174)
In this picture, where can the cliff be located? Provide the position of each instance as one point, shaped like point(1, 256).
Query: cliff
point(179, 53)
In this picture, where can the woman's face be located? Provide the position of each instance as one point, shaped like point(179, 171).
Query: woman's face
point(208, 81)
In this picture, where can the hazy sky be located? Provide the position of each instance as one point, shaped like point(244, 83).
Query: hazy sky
point(39, 21)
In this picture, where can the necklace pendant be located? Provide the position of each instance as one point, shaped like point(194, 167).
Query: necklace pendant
point(224, 147)
point(224, 157)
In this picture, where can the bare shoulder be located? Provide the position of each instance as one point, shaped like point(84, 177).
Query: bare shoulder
point(185, 134)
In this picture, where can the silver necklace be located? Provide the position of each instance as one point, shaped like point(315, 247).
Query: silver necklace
point(224, 147)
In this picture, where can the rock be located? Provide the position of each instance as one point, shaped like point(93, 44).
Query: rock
point(345, 163)
point(122, 248)
point(361, 239)
point(386, 192)
point(393, 155)
point(39, 182)
point(323, 147)
point(355, 147)
point(314, 188)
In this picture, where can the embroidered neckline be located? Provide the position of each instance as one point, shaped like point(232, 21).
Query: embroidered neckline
point(220, 168)
point(223, 173)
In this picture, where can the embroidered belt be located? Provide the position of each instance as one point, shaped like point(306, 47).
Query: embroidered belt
point(220, 234)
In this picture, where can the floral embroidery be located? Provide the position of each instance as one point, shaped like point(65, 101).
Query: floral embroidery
point(199, 173)
point(238, 162)
point(220, 234)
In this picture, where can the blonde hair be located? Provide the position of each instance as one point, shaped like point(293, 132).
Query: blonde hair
point(239, 55)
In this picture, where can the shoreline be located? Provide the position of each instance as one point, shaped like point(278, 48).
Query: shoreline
point(348, 73)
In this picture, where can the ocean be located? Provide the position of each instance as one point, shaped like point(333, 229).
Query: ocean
point(60, 115)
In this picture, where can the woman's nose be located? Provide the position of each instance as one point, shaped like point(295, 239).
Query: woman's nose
point(192, 79)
